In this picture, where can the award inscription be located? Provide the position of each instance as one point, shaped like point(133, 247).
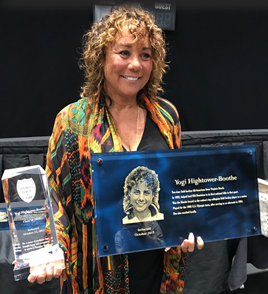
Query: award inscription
point(187, 201)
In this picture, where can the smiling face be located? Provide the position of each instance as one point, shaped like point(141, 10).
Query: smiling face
point(128, 66)
point(141, 196)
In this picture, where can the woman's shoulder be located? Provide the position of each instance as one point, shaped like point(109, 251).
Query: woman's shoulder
point(74, 115)
point(163, 105)
point(127, 220)
point(167, 106)
point(158, 216)
point(75, 108)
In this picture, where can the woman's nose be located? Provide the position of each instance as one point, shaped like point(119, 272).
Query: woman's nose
point(135, 63)
point(141, 197)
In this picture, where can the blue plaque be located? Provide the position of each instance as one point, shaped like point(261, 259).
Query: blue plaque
point(153, 199)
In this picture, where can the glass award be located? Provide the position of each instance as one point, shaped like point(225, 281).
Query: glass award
point(153, 199)
point(29, 212)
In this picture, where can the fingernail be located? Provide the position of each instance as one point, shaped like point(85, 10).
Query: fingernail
point(199, 239)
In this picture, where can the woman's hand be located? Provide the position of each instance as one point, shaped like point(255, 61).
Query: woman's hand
point(189, 244)
point(45, 272)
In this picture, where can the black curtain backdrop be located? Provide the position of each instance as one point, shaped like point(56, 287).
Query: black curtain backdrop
point(219, 68)
point(217, 77)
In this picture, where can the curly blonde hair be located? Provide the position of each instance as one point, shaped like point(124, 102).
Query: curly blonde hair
point(103, 33)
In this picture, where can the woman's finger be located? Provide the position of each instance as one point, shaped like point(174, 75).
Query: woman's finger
point(41, 276)
point(199, 243)
point(57, 272)
point(31, 278)
point(49, 273)
point(184, 245)
point(191, 242)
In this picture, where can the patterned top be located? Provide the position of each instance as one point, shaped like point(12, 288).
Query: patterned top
point(82, 128)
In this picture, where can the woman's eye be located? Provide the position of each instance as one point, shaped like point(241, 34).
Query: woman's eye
point(124, 53)
point(145, 56)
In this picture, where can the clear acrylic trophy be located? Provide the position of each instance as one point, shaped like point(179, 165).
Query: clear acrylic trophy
point(31, 220)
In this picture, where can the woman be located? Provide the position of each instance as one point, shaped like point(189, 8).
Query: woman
point(124, 61)
point(141, 196)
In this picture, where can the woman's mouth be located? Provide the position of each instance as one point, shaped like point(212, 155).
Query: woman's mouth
point(130, 78)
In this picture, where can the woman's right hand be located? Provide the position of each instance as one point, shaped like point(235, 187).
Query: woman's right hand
point(45, 272)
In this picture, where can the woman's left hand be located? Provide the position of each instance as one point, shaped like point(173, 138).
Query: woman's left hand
point(189, 244)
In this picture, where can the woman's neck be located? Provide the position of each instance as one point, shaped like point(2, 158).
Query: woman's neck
point(118, 104)
point(129, 120)
point(142, 215)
